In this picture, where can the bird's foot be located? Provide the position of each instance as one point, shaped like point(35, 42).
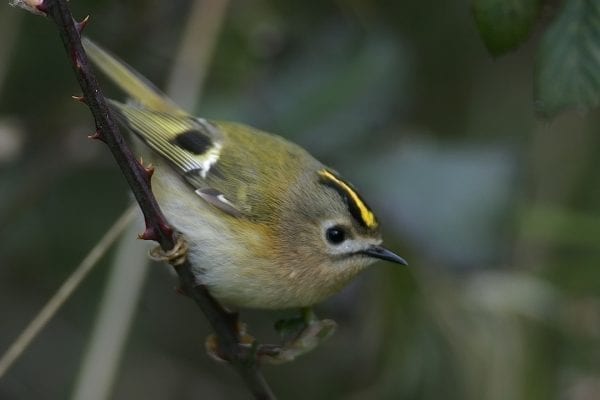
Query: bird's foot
point(176, 256)
point(300, 335)
point(246, 342)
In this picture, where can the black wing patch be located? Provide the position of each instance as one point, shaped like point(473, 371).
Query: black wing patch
point(196, 142)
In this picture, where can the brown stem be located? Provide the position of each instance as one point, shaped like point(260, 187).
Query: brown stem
point(138, 178)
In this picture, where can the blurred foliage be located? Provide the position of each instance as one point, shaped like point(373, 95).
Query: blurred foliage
point(504, 24)
point(567, 73)
point(498, 213)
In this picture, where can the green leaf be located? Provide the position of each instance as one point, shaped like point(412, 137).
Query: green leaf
point(568, 64)
point(504, 24)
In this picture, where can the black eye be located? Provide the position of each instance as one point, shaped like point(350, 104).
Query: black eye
point(335, 235)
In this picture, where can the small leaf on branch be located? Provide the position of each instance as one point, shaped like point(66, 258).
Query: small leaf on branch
point(568, 63)
point(504, 24)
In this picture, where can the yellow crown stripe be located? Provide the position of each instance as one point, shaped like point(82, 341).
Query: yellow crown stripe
point(367, 216)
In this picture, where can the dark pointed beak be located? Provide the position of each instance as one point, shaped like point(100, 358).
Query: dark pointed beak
point(384, 254)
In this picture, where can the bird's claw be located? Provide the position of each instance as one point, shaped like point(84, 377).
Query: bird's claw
point(301, 335)
point(176, 256)
point(213, 349)
point(309, 337)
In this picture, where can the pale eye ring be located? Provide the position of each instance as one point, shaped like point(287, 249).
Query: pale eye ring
point(335, 235)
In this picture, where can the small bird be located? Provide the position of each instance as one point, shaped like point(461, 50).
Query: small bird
point(267, 225)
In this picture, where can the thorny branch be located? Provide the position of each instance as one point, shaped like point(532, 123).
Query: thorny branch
point(138, 177)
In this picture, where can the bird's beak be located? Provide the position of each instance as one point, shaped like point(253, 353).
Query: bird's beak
point(384, 254)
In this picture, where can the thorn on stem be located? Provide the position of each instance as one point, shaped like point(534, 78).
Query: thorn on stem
point(148, 170)
point(148, 234)
point(80, 26)
point(36, 7)
point(80, 99)
point(97, 136)
point(156, 232)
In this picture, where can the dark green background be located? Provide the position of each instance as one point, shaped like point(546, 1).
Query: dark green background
point(496, 211)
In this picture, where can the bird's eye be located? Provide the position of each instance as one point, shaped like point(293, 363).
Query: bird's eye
point(335, 235)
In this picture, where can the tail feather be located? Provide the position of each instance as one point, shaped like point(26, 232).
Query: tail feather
point(130, 81)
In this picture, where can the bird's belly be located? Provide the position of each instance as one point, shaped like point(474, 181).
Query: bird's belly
point(239, 273)
point(226, 256)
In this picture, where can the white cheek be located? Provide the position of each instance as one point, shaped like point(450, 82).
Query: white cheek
point(347, 247)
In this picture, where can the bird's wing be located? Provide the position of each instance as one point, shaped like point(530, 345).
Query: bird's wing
point(192, 145)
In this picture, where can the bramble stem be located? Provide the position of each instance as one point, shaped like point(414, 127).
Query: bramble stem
point(138, 178)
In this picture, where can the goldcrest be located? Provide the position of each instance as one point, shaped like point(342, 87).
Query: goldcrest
point(267, 225)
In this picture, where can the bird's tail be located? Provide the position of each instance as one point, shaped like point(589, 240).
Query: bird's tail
point(138, 88)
